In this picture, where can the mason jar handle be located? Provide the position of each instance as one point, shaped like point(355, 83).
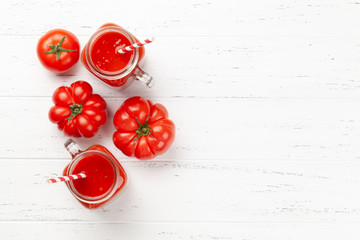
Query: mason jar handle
point(143, 77)
point(72, 147)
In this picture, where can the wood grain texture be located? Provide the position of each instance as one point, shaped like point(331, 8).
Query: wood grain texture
point(192, 191)
point(230, 128)
point(220, 66)
point(188, 18)
point(178, 231)
point(265, 98)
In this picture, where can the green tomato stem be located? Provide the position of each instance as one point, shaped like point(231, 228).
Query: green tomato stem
point(57, 49)
point(143, 129)
point(75, 110)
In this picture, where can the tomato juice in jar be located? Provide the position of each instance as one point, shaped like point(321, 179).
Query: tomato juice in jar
point(105, 177)
point(101, 57)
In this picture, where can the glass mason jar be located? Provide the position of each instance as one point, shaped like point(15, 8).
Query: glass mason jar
point(99, 188)
point(125, 75)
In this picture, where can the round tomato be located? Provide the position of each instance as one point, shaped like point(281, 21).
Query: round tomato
point(77, 111)
point(58, 50)
point(143, 128)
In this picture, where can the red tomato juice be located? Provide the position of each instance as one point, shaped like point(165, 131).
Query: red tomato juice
point(105, 177)
point(100, 176)
point(100, 56)
point(105, 55)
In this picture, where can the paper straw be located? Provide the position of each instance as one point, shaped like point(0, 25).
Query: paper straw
point(66, 178)
point(135, 45)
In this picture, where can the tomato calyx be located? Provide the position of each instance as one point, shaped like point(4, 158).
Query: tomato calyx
point(56, 48)
point(143, 129)
point(75, 110)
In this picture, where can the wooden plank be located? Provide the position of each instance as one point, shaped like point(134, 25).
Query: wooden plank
point(190, 18)
point(165, 231)
point(192, 191)
point(241, 67)
point(230, 128)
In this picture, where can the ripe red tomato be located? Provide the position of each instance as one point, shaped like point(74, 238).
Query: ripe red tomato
point(143, 128)
point(58, 50)
point(77, 111)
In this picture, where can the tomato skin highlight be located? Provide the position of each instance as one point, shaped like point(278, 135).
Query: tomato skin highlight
point(59, 113)
point(67, 59)
point(143, 129)
point(77, 111)
point(123, 141)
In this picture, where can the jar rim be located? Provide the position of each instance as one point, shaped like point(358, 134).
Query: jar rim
point(87, 199)
point(123, 72)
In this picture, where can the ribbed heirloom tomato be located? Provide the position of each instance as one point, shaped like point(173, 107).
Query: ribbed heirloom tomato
point(77, 111)
point(143, 128)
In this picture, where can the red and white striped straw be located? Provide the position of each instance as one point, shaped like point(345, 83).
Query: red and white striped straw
point(66, 178)
point(135, 45)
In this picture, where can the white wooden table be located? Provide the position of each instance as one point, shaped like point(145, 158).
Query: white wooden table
point(265, 96)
